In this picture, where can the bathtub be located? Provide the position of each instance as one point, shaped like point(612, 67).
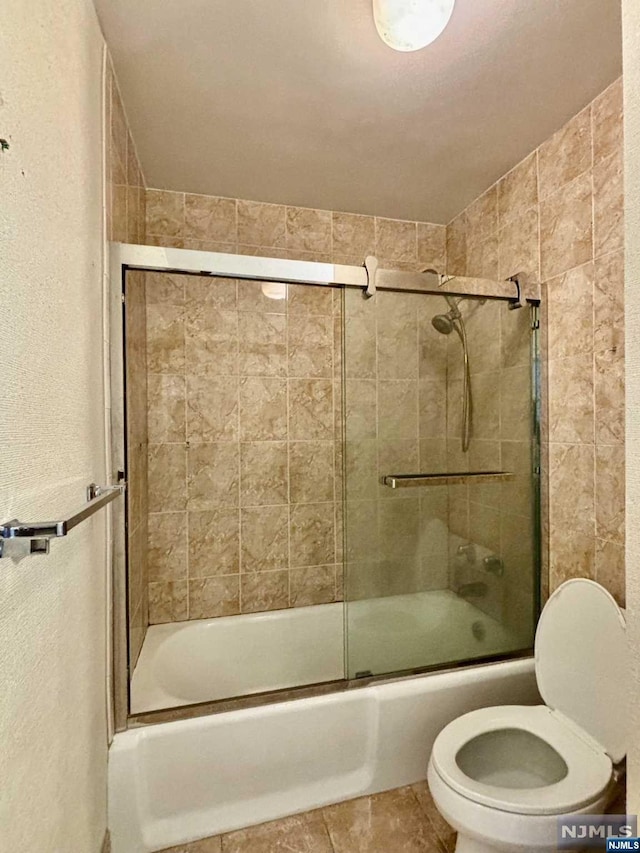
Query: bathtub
point(175, 782)
point(186, 662)
point(208, 659)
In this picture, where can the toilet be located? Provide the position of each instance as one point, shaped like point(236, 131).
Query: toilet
point(502, 776)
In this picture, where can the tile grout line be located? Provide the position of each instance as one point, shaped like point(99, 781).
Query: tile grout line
point(593, 354)
point(186, 446)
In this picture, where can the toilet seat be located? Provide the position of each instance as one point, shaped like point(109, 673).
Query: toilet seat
point(588, 766)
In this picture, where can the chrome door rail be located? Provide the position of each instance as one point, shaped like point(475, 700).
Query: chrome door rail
point(19, 539)
point(369, 277)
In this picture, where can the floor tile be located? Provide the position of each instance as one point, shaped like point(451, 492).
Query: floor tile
point(205, 845)
point(305, 833)
point(392, 821)
point(445, 834)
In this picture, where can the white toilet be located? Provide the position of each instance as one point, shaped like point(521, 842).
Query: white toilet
point(501, 776)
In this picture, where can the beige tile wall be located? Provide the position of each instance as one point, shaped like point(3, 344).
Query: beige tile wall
point(126, 200)
point(136, 439)
point(243, 497)
point(497, 518)
point(267, 534)
point(188, 221)
point(557, 216)
point(395, 395)
point(125, 205)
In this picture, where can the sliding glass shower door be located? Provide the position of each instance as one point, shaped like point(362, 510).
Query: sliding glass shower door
point(440, 479)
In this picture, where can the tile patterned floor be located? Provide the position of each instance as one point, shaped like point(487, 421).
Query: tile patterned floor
point(401, 821)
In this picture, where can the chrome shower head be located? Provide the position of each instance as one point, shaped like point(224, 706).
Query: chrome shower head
point(443, 323)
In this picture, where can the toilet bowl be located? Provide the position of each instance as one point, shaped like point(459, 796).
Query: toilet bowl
point(502, 776)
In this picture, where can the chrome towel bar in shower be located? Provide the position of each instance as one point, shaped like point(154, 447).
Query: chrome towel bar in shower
point(408, 481)
point(19, 539)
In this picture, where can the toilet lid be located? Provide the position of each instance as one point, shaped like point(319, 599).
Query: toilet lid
point(581, 662)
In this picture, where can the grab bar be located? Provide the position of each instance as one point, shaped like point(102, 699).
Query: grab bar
point(19, 539)
point(407, 481)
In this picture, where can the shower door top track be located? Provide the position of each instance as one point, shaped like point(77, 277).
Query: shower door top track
point(368, 277)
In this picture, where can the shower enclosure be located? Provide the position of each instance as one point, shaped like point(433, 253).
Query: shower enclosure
point(333, 474)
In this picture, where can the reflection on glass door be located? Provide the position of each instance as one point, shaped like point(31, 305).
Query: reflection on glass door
point(441, 455)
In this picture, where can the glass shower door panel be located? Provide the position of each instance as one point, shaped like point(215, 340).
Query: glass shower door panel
point(439, 569)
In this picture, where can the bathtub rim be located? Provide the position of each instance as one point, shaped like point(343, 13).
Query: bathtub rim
point(307, 691)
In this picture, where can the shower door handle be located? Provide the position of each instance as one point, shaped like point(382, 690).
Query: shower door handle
point(407, 481)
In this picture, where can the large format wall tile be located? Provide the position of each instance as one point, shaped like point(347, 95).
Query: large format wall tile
point(167, 477)
point(518, 190)
point(166, 408)
point(608, 205)
point(311, 471)
point(264, 591)
point(432, 246)
point(310, 409)
point(265, 538)
point(212, 475)
point(560, 221)
point(312, 585)
point(608, 299)
point(482, 216)
point(231, 366)
point(167, 551)
point(210, 219)
point(214, 542)
point(571, 400)
point(308, 230)
point(353, 236)
point(566, 155)
point(566, 234)
point(311, 532)
point(261, 224)
point(570, 312)
point(264, 473)
point(263, 408)
point(607, 122)
point(396, 240)
point(214, 596)
point(212, 408)
point(262, 340)
point(165, 339)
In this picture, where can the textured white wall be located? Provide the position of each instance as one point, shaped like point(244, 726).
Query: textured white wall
point(631, 61)
point(53, 747)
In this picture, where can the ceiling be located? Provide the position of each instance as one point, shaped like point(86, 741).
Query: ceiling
point(300, 102)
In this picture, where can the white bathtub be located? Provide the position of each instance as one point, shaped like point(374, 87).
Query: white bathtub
point(175, 782)
point(208, 659)
point(186, 662)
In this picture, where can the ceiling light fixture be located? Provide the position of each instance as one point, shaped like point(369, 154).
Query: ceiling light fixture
point(411, 24)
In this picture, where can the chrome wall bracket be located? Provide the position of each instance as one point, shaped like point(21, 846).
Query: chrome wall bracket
point(371, 266)
point(519, 301)
point(20, 539)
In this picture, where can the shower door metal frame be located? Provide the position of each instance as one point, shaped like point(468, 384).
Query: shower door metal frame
point(369, 278)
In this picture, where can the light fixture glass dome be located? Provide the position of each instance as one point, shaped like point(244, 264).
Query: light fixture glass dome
point(275, 289)
point(411, 24)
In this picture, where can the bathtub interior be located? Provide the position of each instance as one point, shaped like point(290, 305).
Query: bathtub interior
point(208, 660)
